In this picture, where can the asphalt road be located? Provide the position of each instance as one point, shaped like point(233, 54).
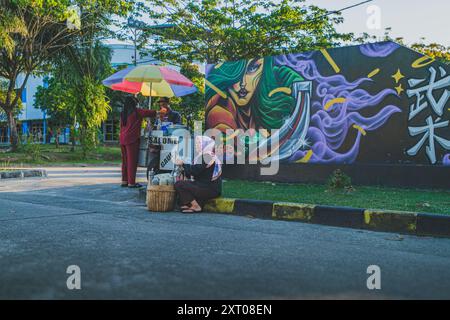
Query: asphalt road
point(80, 216)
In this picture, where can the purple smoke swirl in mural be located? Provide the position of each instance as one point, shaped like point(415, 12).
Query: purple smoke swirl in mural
point(379, 49)
point(328, 128)
point(446, 160)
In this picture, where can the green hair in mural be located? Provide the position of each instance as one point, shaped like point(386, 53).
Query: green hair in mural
point(257, 86)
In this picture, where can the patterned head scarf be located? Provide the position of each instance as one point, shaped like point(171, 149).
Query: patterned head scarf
point(208, 155)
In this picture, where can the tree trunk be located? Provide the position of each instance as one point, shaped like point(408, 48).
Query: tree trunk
point(56, 132)
point(13, 136)
point(11, 104)
point(72, 134)
point(72, 138)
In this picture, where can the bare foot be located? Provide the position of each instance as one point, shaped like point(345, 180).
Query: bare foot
point(196, 208)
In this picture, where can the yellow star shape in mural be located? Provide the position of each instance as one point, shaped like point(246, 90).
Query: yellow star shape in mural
point(397, 76)
point(399, 89)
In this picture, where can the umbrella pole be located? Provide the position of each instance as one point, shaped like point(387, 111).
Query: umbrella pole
point(149, 124)
point(150, 97)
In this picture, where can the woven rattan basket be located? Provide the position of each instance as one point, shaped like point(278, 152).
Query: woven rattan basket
point(160, 198)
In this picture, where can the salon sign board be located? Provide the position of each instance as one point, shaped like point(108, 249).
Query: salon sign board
point(169, 149)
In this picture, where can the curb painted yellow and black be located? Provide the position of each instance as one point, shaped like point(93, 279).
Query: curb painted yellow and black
point(421, 224)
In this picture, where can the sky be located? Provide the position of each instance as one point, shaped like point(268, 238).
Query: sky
point(410, 19)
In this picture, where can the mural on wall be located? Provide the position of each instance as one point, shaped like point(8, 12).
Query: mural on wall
point(373, 103)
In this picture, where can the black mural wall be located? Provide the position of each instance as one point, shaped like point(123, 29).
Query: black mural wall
point(373, 103)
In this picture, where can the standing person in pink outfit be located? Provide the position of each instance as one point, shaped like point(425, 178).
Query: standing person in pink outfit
point(130, 131)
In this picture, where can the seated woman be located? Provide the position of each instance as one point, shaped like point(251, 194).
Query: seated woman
point(206, 171)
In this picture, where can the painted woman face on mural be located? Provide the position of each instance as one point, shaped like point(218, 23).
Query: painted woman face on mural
point(242, 92)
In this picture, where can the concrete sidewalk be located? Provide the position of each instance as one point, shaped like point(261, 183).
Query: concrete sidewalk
point(81, 216)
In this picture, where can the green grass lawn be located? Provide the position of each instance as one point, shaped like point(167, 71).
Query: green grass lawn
point(415, 200)
point(50, 155)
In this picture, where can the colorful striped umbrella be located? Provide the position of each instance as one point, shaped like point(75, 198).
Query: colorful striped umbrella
point(151, 80)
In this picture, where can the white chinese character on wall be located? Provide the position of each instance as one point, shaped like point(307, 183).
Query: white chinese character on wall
point(428, 132)
point(425, 96)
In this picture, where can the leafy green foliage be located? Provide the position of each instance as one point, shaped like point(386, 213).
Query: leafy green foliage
point(213, 30)
point(36, 32)
point(92, 110)
point(3, 94)
point(134, 29)
point(75, 94)
point(191, 107)
point(9, 25)
point(55, 100)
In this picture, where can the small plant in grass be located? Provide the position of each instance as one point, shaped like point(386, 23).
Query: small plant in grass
point(32, 149)
point(5, 165)
point(339, 181)
point(89, 142)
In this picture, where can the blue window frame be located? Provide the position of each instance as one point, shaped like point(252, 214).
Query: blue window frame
point(24, 95)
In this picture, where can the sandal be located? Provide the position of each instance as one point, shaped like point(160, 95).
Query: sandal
point(191, 211)
point(137, 185)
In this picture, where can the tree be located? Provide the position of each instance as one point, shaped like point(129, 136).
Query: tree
point(24, 52)
point(3, 90)
point(78, 70)
point(75, 94)
point(214, 30)
point(191, 106)
point(134, 29)
point(9, 25)
point(3, 93)
point(92, 110)
point(43, 34)
point(55, 100)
